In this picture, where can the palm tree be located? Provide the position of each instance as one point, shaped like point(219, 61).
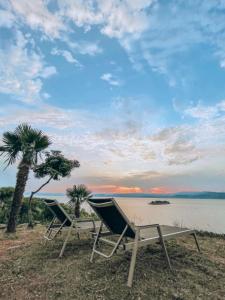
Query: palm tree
point(24, 143)
point(78, 194)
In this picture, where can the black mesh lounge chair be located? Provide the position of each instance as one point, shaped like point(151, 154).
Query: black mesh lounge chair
point(130, 236)
point(61, 220)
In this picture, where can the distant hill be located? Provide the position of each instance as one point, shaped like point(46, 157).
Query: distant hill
point(201, 195)
point(192, 195)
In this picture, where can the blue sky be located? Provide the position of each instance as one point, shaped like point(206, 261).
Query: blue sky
point(132, 89)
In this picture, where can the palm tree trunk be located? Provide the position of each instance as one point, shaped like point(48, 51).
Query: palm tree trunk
point(30, 224)
point(21, 179)
point(77, 209)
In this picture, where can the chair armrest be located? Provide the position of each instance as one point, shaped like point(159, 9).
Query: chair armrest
point(146, 226)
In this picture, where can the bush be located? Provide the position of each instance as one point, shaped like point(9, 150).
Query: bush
point(40, 211)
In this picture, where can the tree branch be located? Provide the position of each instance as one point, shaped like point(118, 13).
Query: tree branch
point(44, 184)
point(30, 225)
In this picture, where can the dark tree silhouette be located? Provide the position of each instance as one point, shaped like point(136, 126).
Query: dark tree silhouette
point(25, 143)
point(55, 167)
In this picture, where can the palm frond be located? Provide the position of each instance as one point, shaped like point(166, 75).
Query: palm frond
point(78, 193)
point(30, 142)
point(11, 147)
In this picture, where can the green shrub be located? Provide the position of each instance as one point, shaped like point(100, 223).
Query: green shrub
point(40, 211)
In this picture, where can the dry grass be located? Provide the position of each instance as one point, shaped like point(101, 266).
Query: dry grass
point(33, 271)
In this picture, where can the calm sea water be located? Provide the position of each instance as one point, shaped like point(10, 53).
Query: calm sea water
point(201, 214)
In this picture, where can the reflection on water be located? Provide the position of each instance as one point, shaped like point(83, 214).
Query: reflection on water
point(202, 214)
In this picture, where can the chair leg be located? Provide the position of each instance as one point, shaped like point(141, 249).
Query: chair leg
point(48, 231)
point(94, 227)
point(66, 240)
point(164, 247)
point(196, 242)
point(96, 242)
point(133, 260)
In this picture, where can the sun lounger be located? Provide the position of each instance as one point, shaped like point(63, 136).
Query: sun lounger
point(129, 235)
point(61, 220)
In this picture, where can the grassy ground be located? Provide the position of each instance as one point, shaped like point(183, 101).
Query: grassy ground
point(31, 270)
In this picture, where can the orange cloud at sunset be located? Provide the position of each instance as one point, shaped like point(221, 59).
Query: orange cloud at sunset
point(115, 189)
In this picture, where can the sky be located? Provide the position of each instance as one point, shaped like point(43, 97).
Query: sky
point(133, 89)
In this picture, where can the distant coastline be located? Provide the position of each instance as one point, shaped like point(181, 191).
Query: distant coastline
point(185, 195)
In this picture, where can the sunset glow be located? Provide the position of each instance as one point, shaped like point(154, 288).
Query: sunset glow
point(161, 190)
point(115, 189)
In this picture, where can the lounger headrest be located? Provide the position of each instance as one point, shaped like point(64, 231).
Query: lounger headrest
point(50, 202)
point(101, 202)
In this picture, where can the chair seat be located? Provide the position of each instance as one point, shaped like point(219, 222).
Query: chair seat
point(167, 232)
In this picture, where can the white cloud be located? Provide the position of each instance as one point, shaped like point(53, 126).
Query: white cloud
point(116, 18)
point(127, 143)
point(178, 145)
point(112, 80)
point(187, 143)
point(37, 15)
point(137, 24)
point(122, 18)
point(44, 116)
point(22, 70)
point(84, 133)
point(181, 152)
point(82, 13)
point(221, 105)
point(67, 55)
point(139, 28)
point(47, 71)
point(201, 111)
point(52, 23)
point(84, 47)
point(185, 26)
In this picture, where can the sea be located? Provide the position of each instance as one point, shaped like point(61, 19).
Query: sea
point(200, 214)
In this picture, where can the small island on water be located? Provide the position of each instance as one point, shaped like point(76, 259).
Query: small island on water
point(159, 202)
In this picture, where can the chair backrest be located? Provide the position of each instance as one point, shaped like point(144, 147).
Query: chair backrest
point(111, 215)
point(58, 211)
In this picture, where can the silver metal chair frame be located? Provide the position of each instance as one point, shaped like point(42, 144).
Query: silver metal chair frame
point(55, 227)
point(124, 244)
